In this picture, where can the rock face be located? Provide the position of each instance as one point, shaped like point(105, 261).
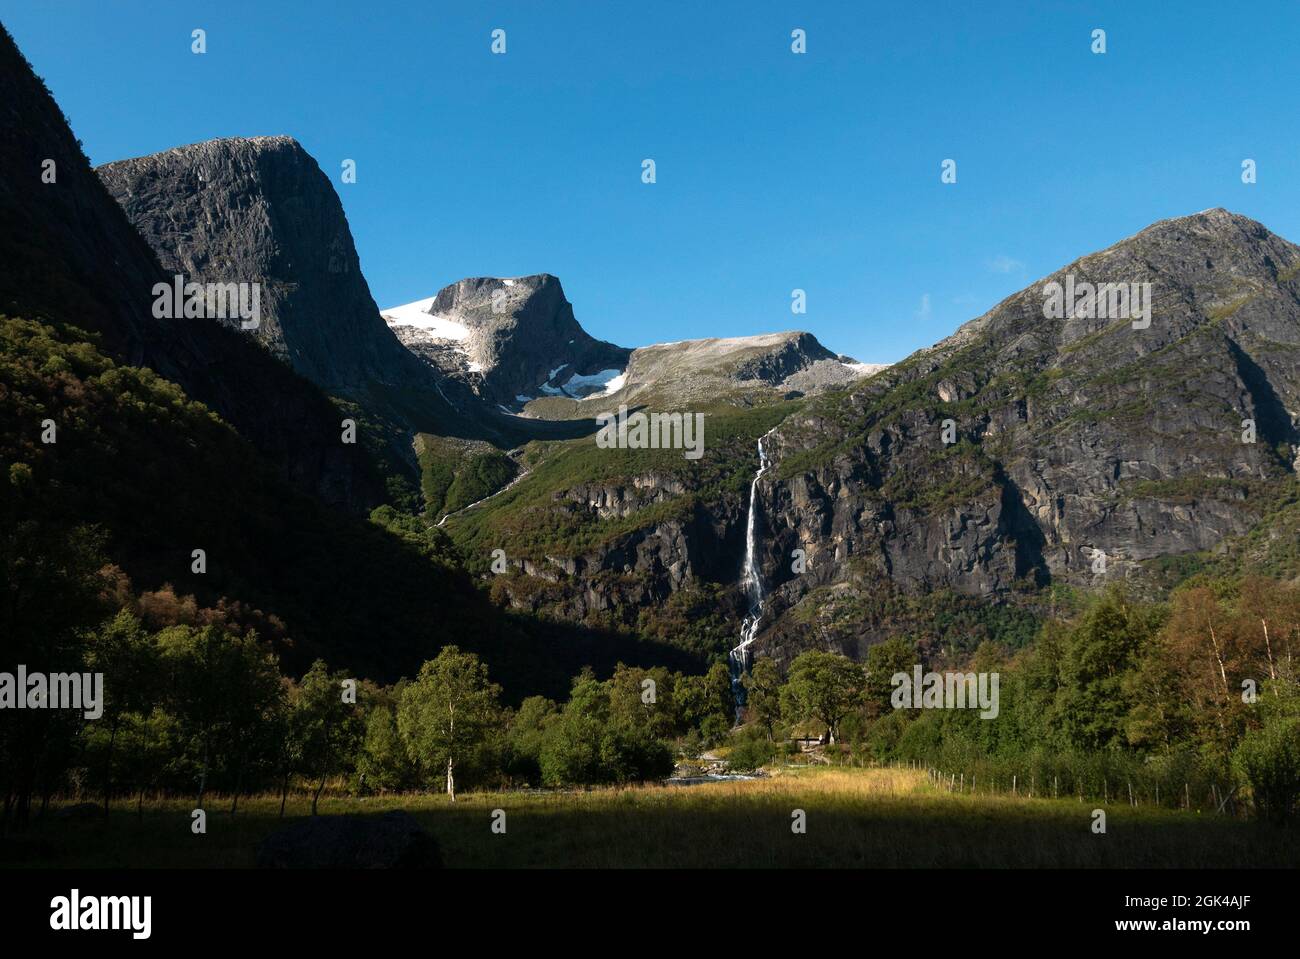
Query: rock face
point(260, 210)
point(507, 338)
point(68, 255)
point(392, 841)
point(1084, 447)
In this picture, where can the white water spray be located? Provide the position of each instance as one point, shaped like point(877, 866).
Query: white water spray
point(751, 580)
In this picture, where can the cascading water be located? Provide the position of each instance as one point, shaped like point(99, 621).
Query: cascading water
point(751, 580)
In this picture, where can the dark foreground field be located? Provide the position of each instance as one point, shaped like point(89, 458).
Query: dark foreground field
point(855, 818)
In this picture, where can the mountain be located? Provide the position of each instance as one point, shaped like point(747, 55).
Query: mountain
point(260, 210)
point(1083, 451)
point(737, 370)
point(1088, 450)
point(69, 255)
point(1059, 442)
point(506, 338)
point(176, 435)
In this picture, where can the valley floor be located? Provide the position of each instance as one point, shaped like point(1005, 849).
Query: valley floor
point(891, 818)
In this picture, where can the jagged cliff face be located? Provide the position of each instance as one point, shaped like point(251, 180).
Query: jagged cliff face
point(1085, 448)
point(68, 255)
point(508, 339)
point(260, 210)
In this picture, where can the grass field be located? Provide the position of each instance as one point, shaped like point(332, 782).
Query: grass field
point(855, 818)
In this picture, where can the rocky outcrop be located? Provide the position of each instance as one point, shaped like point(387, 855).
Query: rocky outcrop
point(507, 338)
point(632, 572)
point(68, 255)
point(259, 210)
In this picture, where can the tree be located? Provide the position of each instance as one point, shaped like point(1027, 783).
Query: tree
point(127, 656)
point(570, 753)
point(1269, 756)
point(449, 712)
point(1100, 649)
point(644, 698)
point(587, 744)
point(698, 697)
point(750, 750)
point(884, 661)
point(327, 728)
point(223, 690)
point(824, 687)
point(50, 587)
point(524, 738)
point(763, 693)
point(384, 763)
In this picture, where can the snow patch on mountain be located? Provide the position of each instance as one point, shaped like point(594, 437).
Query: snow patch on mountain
point(418, 315)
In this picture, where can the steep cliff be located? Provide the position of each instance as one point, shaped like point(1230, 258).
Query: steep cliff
point(68, 255)
point(260, 210)
point(1082, 449)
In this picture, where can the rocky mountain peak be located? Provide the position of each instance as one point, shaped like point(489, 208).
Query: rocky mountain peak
point(511, 339)
point(260, 210)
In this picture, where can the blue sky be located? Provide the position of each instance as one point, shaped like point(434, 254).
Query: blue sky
point(775, 171)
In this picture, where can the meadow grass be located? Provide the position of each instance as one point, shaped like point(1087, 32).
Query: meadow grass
point(892, 818)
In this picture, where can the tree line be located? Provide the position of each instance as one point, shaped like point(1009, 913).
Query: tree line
point(197, 708)
point(1196, 698)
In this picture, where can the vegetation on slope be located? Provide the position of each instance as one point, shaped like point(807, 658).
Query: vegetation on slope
point(534, 520)
point(143, 476)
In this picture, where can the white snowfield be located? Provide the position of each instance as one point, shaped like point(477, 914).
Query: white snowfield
point(614, 384)
point(417, 315)
point(609, 381)
point(865, 369)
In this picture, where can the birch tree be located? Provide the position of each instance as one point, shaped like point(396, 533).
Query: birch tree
point(449, 713)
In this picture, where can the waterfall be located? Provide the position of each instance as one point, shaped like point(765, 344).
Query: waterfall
point(751, 581)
